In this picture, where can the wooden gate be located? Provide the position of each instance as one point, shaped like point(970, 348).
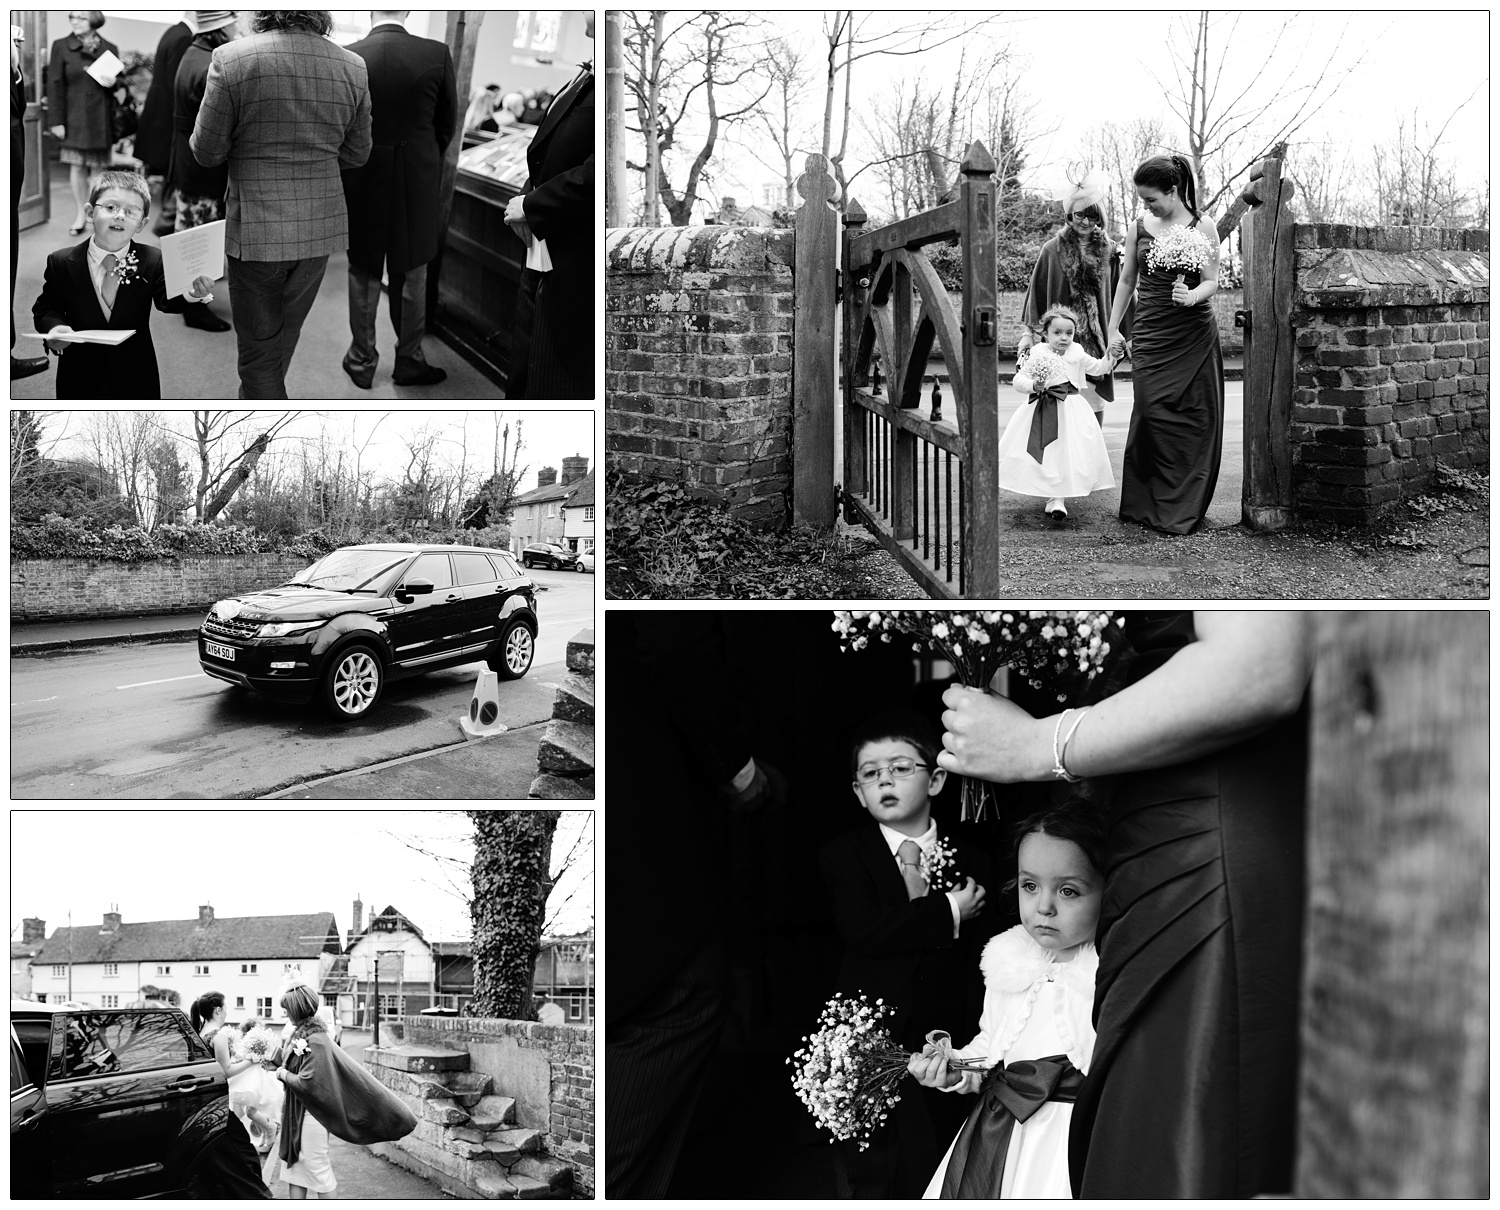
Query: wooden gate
point(900, 449)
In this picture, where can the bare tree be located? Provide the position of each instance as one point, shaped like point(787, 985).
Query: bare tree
point(121, 443)
point(705, 59)
point(782, 119)
point(1231, 124)
point(1412, 185)
point(1114, 149)
point(225, 458)
point(1324, 175)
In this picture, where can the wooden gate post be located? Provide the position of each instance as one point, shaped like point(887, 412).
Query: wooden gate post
point(813, 352)
point(1270, 347)
point(980, 421)
point(1394, 1090)
point(856, 457)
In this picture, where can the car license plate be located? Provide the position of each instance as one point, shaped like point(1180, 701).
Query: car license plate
point(219, 651)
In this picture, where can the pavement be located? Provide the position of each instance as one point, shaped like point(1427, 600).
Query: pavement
point(501, 767)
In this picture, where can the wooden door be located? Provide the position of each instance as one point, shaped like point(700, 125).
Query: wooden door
point(35, 206)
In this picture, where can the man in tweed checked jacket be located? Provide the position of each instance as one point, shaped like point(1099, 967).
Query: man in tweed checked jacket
point(288, 109)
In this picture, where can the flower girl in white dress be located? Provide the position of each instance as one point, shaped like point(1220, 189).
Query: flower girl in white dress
point(1053, 445)
point(1035, 1033)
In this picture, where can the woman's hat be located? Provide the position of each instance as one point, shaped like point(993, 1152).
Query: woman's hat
point(208, 20)
point(1084, 188)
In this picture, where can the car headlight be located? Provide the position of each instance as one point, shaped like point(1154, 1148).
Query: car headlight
point(280, 630)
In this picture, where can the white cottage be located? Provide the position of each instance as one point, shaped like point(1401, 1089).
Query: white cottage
point(407, 974)
point(245, 957)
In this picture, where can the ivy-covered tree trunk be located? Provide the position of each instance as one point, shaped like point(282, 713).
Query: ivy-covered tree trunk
point(511, 875)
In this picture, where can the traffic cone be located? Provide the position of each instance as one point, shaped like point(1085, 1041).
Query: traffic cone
point(483, 718)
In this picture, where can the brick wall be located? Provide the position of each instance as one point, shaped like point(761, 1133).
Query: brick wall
point(508, 1051)
point(43, 589)
point(1392, 372)
point(698, 361)
point(1225, 304)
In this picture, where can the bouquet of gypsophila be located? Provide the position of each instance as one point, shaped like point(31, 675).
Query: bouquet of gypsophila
point(1047, 648)
point(1043, 366)
point(850, 1071)
point(1179, 250)
point(259, 1044)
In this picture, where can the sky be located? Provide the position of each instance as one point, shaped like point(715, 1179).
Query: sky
point(162, 865)
point(550, 435)
point(1090, 66)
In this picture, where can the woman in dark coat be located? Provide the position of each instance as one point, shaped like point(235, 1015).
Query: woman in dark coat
point(197, 192)
point(82, 110)
point(153, 137)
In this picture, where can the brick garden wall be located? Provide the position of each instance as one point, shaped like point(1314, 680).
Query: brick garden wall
point(1225, 304)
point(45, 589)
point(698, 361)
point(518, 1056)
point(1392, 373)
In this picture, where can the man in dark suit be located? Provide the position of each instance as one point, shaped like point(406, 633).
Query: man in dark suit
point(20, 367)
point(552, 357)
point(682, 762)
point(393, 198)
point(910, 939)
point(153, 136)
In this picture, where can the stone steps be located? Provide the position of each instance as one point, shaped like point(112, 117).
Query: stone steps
point(565, 759)
point(575, 700)
point(467, 1139)
point(567, 748)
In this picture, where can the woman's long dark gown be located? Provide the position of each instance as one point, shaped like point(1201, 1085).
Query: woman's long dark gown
point(1191, 1092)
point(1177, 424)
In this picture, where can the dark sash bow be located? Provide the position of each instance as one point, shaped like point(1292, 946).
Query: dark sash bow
point(1044, 419)
point(1009, 1095)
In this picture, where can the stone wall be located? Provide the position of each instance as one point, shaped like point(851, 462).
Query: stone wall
point(1392, 372)
point(548, 1069)
point(565, 758)
point(698, 361)
point(44, 589)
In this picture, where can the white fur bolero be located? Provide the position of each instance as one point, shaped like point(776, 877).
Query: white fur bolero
point(1015, 969)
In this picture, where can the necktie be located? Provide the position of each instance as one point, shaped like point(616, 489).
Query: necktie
point(111, 285)
point(910, 854)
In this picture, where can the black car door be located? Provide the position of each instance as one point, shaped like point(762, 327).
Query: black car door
point(120, 1086)
point(29, 1128)
point(483, 596)
point(429, 626)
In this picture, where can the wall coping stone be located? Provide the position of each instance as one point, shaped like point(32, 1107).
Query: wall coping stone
point(1351, 277)
point(689, 249)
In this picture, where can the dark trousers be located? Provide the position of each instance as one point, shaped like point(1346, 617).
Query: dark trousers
point(408, 316)
point(15, 245)
point(546, 364)
point(269, 301)
point(903, 1154)
point(657, 1061)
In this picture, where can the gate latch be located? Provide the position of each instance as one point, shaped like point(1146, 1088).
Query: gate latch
point(984, 325)
point(1242, 320)
point(838, 285)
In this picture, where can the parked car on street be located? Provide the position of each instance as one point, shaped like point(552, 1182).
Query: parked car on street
point(364, 616)
point(583, 562)
point(546, 554)
point(115, 1103)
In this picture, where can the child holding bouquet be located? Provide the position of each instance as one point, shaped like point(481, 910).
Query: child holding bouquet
point(1036, 1035)
point(909, 905)
point(1053, 446)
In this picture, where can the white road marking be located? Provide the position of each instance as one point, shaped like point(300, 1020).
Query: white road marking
point(163, 681)
point(34, 700)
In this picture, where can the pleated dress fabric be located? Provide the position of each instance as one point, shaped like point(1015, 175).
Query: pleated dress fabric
point(1176, 436)
point(1192, 1089)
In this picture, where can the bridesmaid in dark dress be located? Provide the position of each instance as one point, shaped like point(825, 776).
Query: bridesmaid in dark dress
point(1192, 1088)
point(1177, 424)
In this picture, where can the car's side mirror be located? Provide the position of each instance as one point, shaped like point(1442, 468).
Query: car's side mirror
point(414, 588)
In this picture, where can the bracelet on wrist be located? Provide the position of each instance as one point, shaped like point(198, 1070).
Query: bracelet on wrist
point(1059, 771)
point(1062, 757)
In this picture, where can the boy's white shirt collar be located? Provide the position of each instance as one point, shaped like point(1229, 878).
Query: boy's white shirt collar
point(895, 839)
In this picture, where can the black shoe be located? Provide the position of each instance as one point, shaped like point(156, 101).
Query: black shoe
point(25, 367)
point(418, 375)
point(199, 316)
point(361, 378)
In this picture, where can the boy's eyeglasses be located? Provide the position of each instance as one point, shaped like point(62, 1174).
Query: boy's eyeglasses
point(868, 775)
point(110, 210)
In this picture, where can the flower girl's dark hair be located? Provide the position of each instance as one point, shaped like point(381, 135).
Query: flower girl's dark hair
point(1075, 819)
point(1058, 311)
point(1166, 172)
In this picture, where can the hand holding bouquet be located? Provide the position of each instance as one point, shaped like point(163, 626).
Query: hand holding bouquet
point(260, 1045)
point(1043, 367)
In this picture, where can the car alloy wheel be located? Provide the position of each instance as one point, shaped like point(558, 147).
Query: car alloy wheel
point(353, 683)
point(516, 650)
point(578, 567)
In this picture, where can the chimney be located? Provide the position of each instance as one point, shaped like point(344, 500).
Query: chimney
point(547, 476)
point(33, 930)
point(359, 911)
point(574, 468)
point(111, 922)
point(205, 915)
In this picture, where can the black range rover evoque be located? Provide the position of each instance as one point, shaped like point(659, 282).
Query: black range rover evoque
point(365, 615)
